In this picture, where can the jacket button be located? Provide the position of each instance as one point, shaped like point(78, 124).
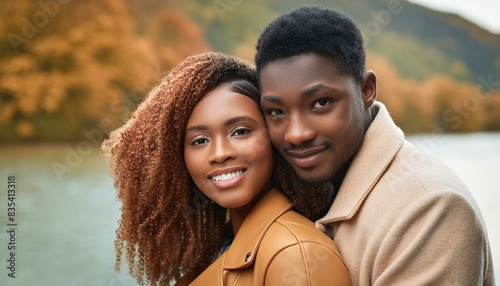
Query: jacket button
point(248, 256)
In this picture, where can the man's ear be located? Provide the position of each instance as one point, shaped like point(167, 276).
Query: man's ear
point(369, 88)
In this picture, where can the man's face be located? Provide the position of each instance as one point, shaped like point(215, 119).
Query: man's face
point(315, 115)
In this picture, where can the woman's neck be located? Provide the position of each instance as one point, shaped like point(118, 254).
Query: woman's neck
point(238, 215)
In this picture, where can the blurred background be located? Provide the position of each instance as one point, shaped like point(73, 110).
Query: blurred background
point(72, 71)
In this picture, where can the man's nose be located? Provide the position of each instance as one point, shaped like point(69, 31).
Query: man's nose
point(298, 130)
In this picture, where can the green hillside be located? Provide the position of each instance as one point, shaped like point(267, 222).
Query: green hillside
point(420, 42)
point(466, 50)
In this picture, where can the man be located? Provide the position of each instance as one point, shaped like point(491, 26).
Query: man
point(399, 217)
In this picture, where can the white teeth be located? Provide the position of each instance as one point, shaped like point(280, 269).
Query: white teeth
point(225, 177)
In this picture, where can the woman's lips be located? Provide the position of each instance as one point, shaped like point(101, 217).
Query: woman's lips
point(228, 178)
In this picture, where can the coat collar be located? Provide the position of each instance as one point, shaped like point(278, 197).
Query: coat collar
point(242, 251)
point(382, 141)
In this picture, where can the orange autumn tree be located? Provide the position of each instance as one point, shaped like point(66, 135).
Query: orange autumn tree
point(73, 66)
point(436, 104)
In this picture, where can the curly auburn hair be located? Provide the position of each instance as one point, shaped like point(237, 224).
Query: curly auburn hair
point(167, 231)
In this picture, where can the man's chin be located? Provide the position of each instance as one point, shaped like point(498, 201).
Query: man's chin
point(312, 176)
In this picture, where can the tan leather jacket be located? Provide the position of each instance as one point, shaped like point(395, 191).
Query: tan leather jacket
point(277, 246)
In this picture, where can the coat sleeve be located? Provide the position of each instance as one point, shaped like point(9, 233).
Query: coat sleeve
point(440, 239)
point(307, 264)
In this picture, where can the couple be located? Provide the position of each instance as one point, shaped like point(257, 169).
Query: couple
point(207, 200)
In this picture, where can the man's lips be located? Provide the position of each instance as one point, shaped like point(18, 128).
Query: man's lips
point(305, 152)
point(306, 157)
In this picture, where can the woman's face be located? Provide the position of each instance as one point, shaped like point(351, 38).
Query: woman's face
point(227, 149)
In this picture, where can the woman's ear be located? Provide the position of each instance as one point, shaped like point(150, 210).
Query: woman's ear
point(369, 88)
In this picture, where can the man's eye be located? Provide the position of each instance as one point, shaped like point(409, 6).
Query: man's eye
point(275, 112)
point(322, 102)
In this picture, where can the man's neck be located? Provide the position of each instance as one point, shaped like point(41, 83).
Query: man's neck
point(338, 178)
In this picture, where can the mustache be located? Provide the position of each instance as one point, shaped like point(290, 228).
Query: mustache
point(304, 146)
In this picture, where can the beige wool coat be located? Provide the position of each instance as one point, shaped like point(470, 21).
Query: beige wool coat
point(403, 218)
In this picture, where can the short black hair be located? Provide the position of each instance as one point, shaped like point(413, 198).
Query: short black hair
point(313, 30)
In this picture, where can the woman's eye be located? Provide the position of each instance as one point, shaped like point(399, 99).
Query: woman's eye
point(322, 102)
point(241, 131)
point(199, 141)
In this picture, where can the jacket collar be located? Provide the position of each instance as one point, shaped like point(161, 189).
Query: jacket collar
point(382, 141)
point(242, 251)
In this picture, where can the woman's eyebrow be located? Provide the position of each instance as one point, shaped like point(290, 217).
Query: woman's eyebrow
point(228, 122)
point(237, 119)
point(196, 128)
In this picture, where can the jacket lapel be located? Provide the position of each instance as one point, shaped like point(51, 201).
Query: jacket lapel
point(242, 251)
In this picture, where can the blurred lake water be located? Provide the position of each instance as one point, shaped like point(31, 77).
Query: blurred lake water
point(66, 208)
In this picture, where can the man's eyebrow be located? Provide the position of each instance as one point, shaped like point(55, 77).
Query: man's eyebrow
point(270, 99)
point(228, 122)
point(310, 90)
point(315, 88)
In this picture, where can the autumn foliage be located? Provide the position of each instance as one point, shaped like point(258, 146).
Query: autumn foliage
point(86, 66)
point(439, 103)
point(70, 67)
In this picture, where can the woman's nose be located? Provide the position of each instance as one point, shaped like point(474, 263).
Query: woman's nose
point(221, 151)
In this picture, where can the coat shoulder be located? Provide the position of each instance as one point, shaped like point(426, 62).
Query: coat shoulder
point(294, 252)
point(292, 229)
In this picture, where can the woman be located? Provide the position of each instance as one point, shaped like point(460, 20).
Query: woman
point(195, 151)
